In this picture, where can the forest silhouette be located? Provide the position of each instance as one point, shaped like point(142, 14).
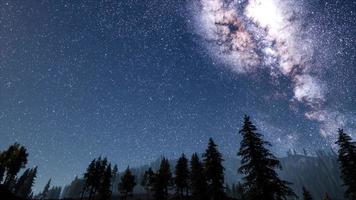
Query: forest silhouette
point(199, 177)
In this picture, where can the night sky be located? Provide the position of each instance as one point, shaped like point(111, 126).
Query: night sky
point(136, 79)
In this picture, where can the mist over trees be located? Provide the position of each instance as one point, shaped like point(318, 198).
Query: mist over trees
point(257, 175)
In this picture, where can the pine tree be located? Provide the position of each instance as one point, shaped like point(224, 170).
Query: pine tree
point(347, 160)
point(198, 180)
point(214, 171)
point(44, 193)
point(182, 176)
point(306, 194)
point(162, 180)
point(89, 177)
point(98, 179)
point(22, 180)
point(104, 190)
point(127, 183)
point(259, 164)
point(24, 187)
point(148, 181)
point(14, 159)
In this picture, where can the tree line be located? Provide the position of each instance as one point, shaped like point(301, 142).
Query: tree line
point(200, 178)
point(12, 161)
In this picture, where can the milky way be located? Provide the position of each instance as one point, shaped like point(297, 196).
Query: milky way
point(253, 34)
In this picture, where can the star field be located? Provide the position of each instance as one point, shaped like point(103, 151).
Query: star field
point(133, 80)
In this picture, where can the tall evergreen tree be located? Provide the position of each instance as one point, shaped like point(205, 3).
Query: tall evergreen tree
point(22, 180)
point(259, 164)
point(104, 190)
point(45, 190)
point(198, 180)
point(182, 176)
point(306, 194)
point(162, 180)
point(90, 178)
point(347, 160)
point(98, 179)
point(14, 159)
point(214, 171)
point(127, 183)
point(25, 183)
point(148, 181)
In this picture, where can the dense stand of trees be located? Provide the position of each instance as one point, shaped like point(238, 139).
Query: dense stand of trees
point(200, 178)
point(98, 179)
point(12, 161)
point(181, 179)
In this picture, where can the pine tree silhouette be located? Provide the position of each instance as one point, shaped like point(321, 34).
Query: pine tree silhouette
point(306, 194)
point(21, 181)
point(98, 179)
point(25, 183)
point(13, 160)
point(104, 190)
point(44, 192)
point(259, 164)
point(148, 181)
point(89, 177)
point(347, 160)
point(162, 180)
point(214, 171)
point(182, 177)
point(127, 183)
point(198, 180)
